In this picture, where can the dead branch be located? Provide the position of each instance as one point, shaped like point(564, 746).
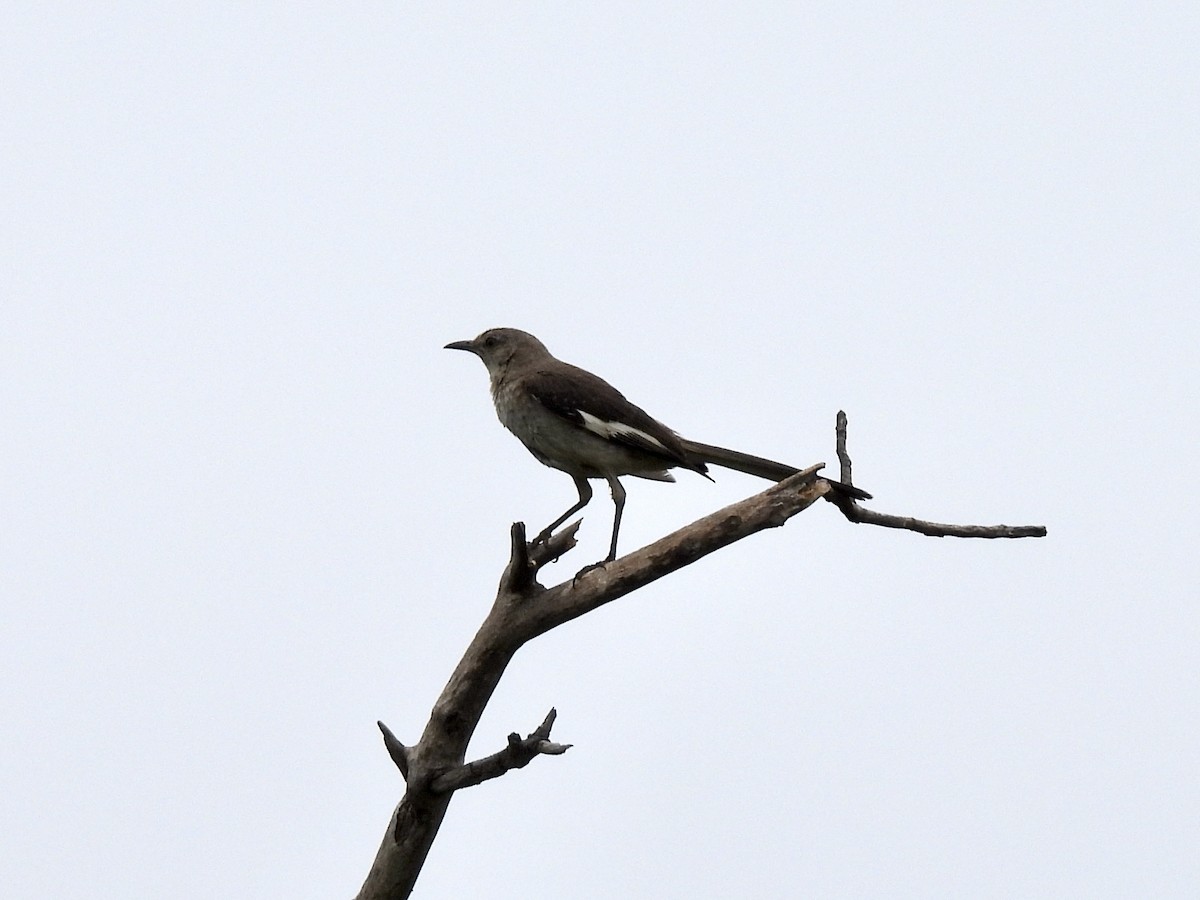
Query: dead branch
point(862, 516)
point(518, 754)
point(396, 750)
point(522, 610)
point(434, 767)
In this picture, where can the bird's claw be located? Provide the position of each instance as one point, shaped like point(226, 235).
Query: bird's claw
point(590, 568)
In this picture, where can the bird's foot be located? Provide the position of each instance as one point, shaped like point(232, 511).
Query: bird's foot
point(590, 568)
point(547, 546)
point(542, 537)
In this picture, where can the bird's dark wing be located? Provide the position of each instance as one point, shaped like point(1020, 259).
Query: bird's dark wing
point(591, 403)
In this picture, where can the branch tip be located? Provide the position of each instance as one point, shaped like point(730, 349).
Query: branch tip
point(396, 750)
point(844, 464)
point(518, 576)
point(561, 542)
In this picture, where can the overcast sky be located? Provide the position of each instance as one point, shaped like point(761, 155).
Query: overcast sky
point(249, 505)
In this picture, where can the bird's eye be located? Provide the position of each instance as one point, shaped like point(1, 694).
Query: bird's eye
point(491, 341)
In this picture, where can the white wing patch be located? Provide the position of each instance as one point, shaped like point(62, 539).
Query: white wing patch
point(610, 430)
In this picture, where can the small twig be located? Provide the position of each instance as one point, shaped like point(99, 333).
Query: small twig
point(561, 542)
point(396, 750)
point(858, 514)
point(525, 560)
point(518, 754)
point(842, 455)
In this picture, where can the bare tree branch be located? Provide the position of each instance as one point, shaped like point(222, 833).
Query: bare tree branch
point(540, 553)
point(522, 610)
point(860, 515)
point(603, 584)
point(518, 754)
point(844, 464)
point(434, 767)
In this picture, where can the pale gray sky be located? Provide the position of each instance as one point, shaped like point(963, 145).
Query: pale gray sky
point(249, 505)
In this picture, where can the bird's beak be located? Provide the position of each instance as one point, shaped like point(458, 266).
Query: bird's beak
point(469, 346)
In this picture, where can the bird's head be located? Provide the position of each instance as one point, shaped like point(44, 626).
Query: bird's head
point(499, 348)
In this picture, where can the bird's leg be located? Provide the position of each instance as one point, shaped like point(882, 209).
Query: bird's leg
point(618, 495)
point(585, 495)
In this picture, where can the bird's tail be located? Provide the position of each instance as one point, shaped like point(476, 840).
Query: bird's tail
point(759, 467)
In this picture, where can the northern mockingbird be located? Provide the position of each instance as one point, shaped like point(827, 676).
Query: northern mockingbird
point(577, 422)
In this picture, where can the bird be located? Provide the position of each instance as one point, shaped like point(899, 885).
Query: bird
point(578, 423)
